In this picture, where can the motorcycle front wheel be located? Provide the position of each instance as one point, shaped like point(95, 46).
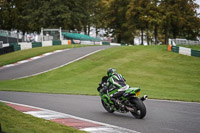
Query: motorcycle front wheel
point(139, 108)
point(106, 107)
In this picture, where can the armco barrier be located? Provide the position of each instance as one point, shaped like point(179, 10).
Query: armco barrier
point(36, 44)
point(1, 44)
point(6, 50)
point(105, 43)
point(184, 51)
point(97, 43)
point(175, 49)
point(115, 44)
point(195, 53)
point(86, 42)
point(16, 46)
point(47, 43)
point(56, 42)
point(25, 45)
point(6, 45)
point(64, 42)
point(12, 44)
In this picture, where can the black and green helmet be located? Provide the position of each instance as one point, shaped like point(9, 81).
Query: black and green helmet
point(111, 71)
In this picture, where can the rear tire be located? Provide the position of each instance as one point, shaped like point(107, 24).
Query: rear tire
point(106, 107)
point(140, 109)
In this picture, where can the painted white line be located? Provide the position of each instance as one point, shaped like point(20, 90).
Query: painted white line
point(36, 57)
point(60, 65)
point(23, 61)
point(47, 54)
point(108, 129)
point(10, 65)
point(105, 128)
point(170, 101)
point(57, 51)
point(46, 114)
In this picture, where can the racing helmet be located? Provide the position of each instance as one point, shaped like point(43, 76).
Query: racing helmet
point(111, 71)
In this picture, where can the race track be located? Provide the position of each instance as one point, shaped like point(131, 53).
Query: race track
point(162, 116)
point(48, 62)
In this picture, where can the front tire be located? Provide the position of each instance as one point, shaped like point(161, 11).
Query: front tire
point(106, 107)
point(140, 109)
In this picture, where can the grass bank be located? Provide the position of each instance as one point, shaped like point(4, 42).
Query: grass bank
point(159, 73)
point(25, 54)
point(13, 121)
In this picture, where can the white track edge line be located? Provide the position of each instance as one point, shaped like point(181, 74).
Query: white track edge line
point(96, 122)
point(171, 101)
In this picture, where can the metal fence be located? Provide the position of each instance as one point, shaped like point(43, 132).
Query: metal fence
point(12, 34)
point(185, 42)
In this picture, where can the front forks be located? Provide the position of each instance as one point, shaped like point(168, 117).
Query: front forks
point(106, 99)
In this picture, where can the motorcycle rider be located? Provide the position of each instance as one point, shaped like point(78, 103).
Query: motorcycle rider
point(115, 81)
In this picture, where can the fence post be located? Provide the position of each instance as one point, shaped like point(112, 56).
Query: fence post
point(60, 33)
point(42, 33)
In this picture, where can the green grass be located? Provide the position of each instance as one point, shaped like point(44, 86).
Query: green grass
point(159, 73)
point(13, 121)
point(25, 54)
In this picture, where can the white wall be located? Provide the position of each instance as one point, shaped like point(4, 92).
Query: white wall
point(46, 43)
point(25, 45)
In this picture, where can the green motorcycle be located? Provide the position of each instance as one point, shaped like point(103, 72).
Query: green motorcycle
point(128, 102)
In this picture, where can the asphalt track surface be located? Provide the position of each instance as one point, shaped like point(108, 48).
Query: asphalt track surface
point(47, 63)
point(162, 116)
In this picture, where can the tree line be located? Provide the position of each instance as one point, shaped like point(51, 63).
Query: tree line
point(124, 20)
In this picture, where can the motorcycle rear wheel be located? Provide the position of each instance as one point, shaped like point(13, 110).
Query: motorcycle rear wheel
point(140, 109)
point(106, 107)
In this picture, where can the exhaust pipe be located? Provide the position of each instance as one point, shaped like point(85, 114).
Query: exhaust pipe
point(144, 98)
point(130, 109)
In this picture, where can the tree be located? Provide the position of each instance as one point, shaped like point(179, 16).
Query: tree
point(154, 17)
point(179, 19)
point(115, 17)
point(123, 19)
point(9, 14)
point(188, 23)
point(37, 14)
point(137, 15)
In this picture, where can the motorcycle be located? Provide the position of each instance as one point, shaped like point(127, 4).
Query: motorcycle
point(128, 102)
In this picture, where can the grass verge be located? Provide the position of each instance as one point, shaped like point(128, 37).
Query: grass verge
point(28, 53)
point(159, 73)
point(13, 121)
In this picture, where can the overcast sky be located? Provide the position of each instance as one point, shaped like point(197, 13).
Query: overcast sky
point(198, 2)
